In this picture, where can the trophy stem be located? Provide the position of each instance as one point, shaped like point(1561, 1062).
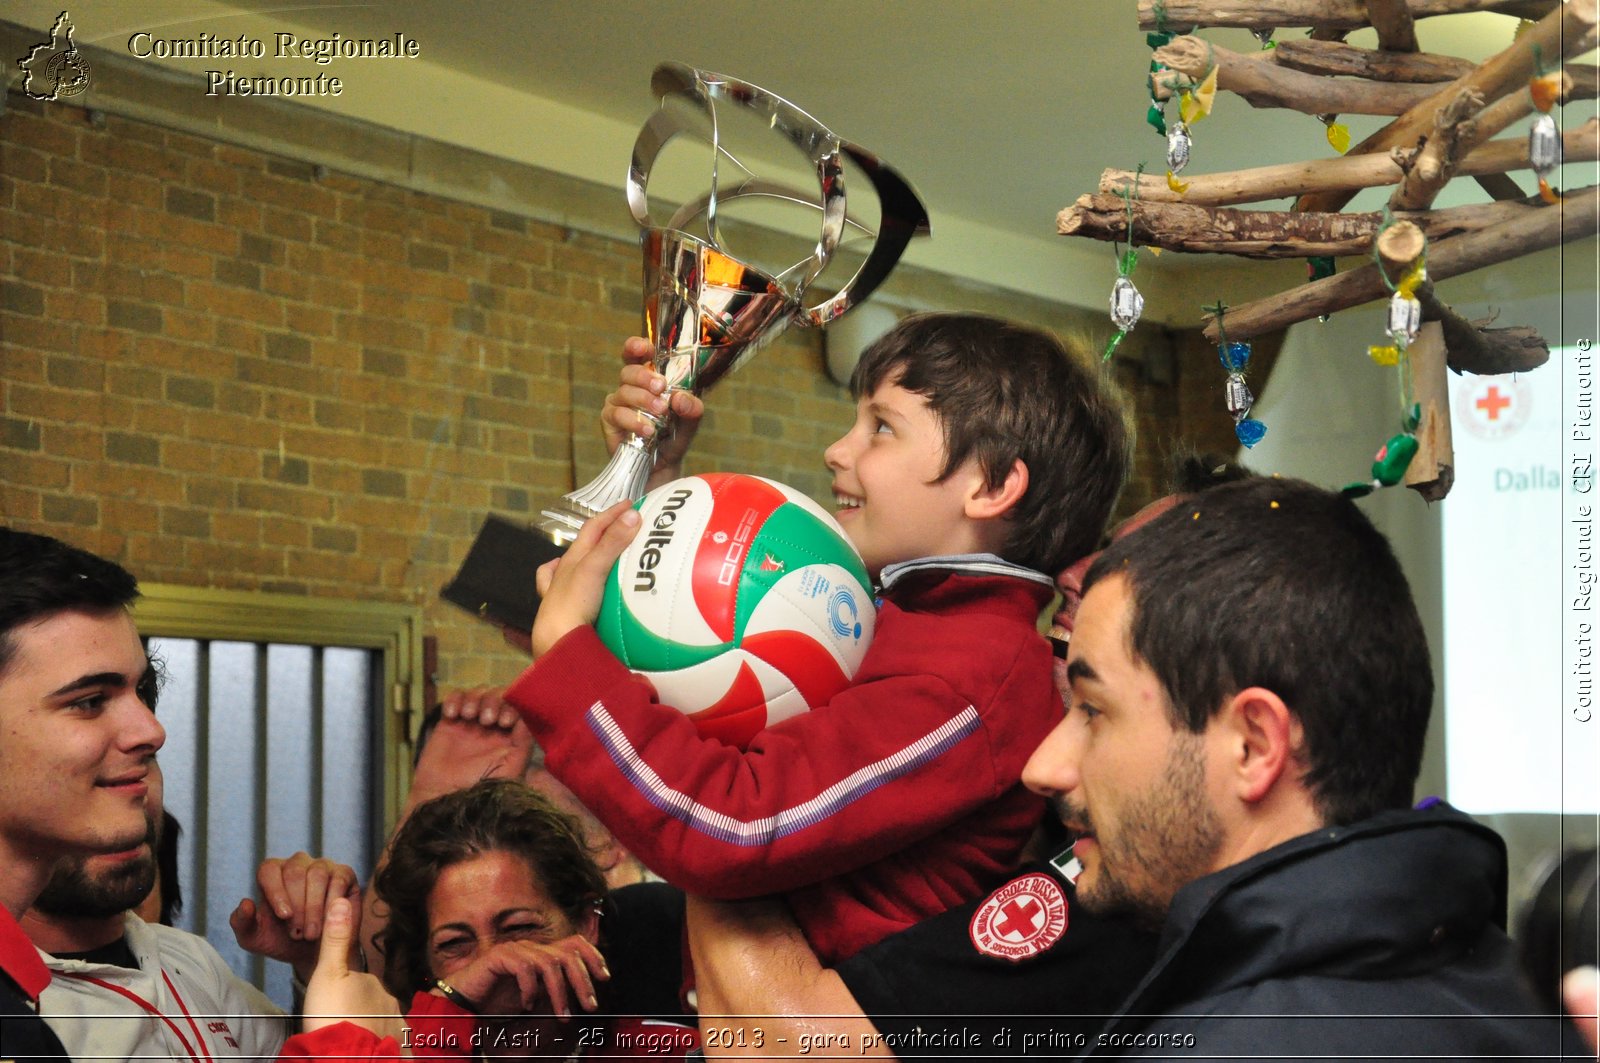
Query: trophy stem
point(622, 478)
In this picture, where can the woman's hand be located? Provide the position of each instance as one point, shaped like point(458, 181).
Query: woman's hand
point(519, 977)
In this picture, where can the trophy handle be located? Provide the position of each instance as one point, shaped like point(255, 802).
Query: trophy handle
point(814, 140)
point(901, 217)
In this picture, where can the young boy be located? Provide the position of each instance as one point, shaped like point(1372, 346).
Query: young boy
point(982, 456)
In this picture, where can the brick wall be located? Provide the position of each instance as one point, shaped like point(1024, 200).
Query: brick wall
point(225, 368)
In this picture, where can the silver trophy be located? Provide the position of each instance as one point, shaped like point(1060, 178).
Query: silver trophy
point(706, 311)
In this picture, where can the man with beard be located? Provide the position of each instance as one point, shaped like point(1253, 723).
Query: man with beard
point(77, 741)
point(1250, 689)
point(122, 988)
point(80, 808)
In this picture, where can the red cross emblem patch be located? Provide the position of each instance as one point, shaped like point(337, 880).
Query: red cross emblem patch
point(1020, 919)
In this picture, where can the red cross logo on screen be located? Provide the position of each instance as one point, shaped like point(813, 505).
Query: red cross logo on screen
point(1491, 407)
point(1492, 403)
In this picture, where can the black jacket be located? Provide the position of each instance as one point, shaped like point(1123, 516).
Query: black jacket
point(1380, 940)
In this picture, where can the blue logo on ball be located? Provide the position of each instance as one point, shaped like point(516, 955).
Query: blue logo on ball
point(843, 616)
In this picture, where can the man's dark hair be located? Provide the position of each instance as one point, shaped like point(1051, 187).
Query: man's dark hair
point(40, 576)
point(1195, 471)
point(1004, 391)
point(167, 867)
point(1279, 584)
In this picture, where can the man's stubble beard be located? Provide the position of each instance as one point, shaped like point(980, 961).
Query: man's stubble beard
point(72, 894)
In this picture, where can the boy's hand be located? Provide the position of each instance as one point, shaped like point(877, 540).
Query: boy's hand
point(571, 586)
point(640, 389)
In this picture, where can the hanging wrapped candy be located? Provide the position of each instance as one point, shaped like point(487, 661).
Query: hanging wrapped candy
point(1544, 136)
point(1389, 465)
point(1404, 319)
point(1126, 302)
point(1235, 358)
point(1544, 146)
point(1405, 316)
point(1544, 153)
point(1177, 156)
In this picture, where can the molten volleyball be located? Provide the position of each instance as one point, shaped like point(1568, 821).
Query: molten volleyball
point(741, 600)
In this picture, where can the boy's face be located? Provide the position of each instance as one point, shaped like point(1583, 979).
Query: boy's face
point(886, 482)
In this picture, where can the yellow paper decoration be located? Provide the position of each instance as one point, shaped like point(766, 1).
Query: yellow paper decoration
point(1414, 275)
point(1384, 355)
point(1177, 186)
point(1339, 136)
point(1196, 104)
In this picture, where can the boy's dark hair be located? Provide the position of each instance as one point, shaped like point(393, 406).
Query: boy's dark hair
point(1004, 391)
point(1279, 584)
point(40, 576)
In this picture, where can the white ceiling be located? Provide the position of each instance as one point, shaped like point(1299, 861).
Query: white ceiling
point(1000, 112)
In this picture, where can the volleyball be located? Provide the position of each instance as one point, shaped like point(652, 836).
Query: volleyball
point(740, 600)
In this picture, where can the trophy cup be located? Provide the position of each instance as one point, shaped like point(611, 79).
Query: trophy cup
point(706, 311)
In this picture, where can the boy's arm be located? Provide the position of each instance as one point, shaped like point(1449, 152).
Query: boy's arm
point(883, 764)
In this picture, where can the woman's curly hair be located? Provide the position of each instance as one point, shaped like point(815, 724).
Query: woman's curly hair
point(496, 815)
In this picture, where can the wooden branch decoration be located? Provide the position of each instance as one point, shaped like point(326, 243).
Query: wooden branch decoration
point(1432, 471)
point(1500, 187)
point(1462, 254)
point(1398, 246)
point(1472, 349)
point(1265, 234)
point(1333, 59)
point(1555, 37)
point(1475, 348)
point(1265, 84)
point(1436, 163)
point(1184, 15)
point(1344, 173)
point(1392, 20)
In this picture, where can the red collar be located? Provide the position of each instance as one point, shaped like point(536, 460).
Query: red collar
point(19, 959)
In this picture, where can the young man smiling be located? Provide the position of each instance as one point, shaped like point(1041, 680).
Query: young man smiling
point(77, 743)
